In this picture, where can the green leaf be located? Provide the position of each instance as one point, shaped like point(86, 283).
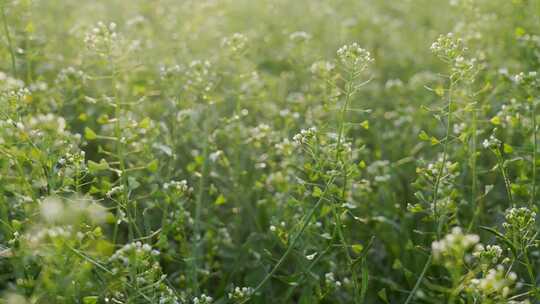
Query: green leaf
point(439, 91)
point(520, 32)
point(362, 164)
point(90, 300)
point(496, 120)
point(317, 192)
point(133, 183)
point(357, 248)
point(415, 208)
point(382, 295)
point(145, 123)
point(220, 200)
point(94, 167)
point(365, 281)
point(89, 134)
point(325, 210)
point(365, 124)
point(153, 166)
point(423, 136)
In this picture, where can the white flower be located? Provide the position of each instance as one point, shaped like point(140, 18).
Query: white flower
point(353, 56)
point(312, 256)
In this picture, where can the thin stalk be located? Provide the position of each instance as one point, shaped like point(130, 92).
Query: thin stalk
point(9, 41)
point(507, 186)
point(294, 240)
point(436, 195)
point(530, 271)
point(445, 151)
point(124, 195)
point(198, 209)
point(533, 163)
point(338, 160)
point(474, 182)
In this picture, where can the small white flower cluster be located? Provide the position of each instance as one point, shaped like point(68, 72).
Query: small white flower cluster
point(198, 70)
point(448, 47)
point(260, 132)
point(170, 71)
point(236, 43)
point(393, 84)
point(284, 147)
point(35, 239)
point(496, 281)
point(122, 255)
point(180, 186)
point(519, 220)
point(10, 123)
point(380, 170)
point(225, 236)
point(304, 136)
point(452, 50)
point(38, 124)
point(17, 94)
point(70, 158)
point(490, 253)
point(459, 128)
point(114, 190)
point(330, 280)
point(322, 69)
point(215, 156)
point(454, 245)
point(354, 57)
point(492, 142)
point(240, 293)
point(510, 113)
point(70, 74)
point(199, 76)
point(102, 39)
point(450, 170)
point(54, 210)
point(168, 296)
point(463, 64)
point(461, 2)
point(299, 36)
point(531, 79)
point(203, 299)
point(9, 83)
point(38, 86)
point(489, 256)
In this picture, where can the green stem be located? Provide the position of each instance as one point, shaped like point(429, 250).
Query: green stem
point(338, 160)
point(533, 164)
point(198, 209)
point(436, 195)
point(507, 186)
point(294, 240)
point(124, 195)
point(10, 44)
point(474, 186)
point(530, 271)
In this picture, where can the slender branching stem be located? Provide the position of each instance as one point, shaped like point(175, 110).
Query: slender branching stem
point(349, 91)
point(294, 240)
point(438, 179)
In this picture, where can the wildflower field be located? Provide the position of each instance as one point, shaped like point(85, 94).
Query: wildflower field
point(269, 151)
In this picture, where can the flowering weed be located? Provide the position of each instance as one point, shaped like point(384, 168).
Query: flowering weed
point(269, 151)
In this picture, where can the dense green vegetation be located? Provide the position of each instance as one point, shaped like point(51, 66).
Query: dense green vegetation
point(269, 151)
